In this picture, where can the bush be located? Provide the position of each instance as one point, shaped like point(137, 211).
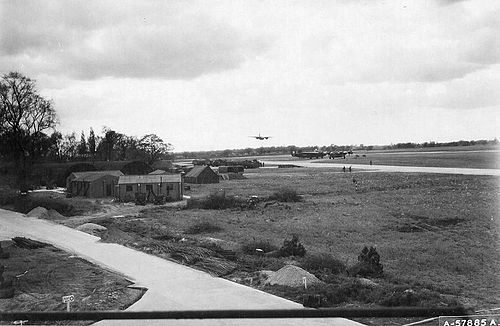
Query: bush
point(286, 195)
point(292, 247)
point(216, 201)
point(203, 227)
point(368, 264)
point(251, 247)
point(323, 265)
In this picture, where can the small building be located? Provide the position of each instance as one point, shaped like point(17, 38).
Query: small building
point(93, 184)
point(152, 185)
point(201, 174)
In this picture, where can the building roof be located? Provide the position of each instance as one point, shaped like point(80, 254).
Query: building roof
point(197, 170)
point(94, 175)
point(158, 171)
point(149, 178)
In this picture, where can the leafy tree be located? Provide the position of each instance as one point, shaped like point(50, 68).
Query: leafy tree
point(25, 116)
point(108, 144)
point(69, 147)
point(154, 148)
point(92, 143)
point(82, 147)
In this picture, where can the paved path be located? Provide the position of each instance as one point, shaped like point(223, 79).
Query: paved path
point(388, 168)
point(170, 286)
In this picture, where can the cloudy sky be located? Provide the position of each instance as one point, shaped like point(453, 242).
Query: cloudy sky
point(207, 74)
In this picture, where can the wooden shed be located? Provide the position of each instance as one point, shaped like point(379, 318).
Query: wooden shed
point(152, 185)
point(93, 184)
point(201, 174)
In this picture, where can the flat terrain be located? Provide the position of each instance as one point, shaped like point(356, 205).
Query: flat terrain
point(437, 235)
point(479, 157)
point(435, 230)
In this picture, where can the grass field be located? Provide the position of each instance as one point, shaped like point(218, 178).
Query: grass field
point(437, 235)
point(450, 159)
point(478, 157)
point(437, 230)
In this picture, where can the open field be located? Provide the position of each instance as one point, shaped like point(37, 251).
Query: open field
point(480, 157)
point(452, 159)
point(437, 235)
point(436, 230)
point(46, 274)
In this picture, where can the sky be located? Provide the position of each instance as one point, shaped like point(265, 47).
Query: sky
point(206, 75)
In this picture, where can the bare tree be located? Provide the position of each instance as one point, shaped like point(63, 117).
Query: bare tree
point(24, 117)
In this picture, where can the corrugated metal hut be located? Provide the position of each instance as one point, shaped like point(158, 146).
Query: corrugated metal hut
point(94, 184)
point(158, 171)
point(152, 185)
point(201, 174)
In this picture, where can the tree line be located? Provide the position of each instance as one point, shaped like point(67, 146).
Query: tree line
point(281, 150)
point(28, 133)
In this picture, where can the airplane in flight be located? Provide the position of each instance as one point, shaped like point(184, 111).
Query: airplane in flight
point(259, 137)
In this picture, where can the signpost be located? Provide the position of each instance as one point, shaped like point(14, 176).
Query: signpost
point(67, 299)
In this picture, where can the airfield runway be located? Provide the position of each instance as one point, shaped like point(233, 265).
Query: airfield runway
point(385, 168)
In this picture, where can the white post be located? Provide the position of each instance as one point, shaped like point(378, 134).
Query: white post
point(304, 279)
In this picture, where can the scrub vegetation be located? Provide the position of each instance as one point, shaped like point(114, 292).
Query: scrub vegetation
point(435, 236)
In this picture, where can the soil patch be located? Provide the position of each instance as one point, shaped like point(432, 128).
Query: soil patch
point(43, 275)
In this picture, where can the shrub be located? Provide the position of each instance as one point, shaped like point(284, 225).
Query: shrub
point(203, 227)
point(323, 265)
point(368, 264)
point(251, 247)
point(286, 195)
point(293, 247)
point(216, 201)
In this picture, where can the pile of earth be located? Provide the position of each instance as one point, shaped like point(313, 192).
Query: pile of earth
point(292, 276)
point(46, 214)
point(93, 229)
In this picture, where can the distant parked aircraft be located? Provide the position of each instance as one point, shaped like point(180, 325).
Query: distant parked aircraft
point(309, 155)
point(333, 155)
point(259, 137)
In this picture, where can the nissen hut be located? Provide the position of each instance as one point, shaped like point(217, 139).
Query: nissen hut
point(94, 184)
point(201, 174)
point(168, 185)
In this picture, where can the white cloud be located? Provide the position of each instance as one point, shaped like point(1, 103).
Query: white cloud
point(207, 75)
point(103, 40)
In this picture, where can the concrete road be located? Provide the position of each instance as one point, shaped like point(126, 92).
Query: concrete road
point(387, 168)
point(170, 286)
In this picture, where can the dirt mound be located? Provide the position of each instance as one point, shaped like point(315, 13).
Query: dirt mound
point(46, 214)
point(38, 212)
point(93, 229)
point(55, 215)
point(292, 276)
